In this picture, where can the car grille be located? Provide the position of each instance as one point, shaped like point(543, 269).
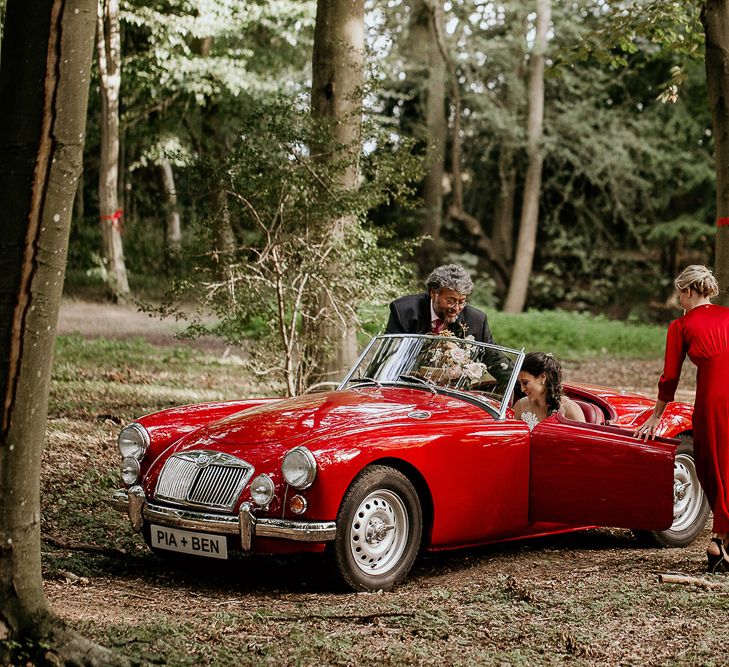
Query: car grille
point(208, 479)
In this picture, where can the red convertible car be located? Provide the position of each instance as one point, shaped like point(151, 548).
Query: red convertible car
point(417, 449)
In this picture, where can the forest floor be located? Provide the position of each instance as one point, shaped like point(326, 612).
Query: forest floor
point(588, 598)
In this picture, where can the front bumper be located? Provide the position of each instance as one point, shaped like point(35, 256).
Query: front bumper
point(245, 525)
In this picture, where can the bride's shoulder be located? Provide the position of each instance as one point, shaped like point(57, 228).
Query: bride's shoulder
point(520, 406)
point(571, 410)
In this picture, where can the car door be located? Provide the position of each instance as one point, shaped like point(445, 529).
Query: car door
point(585, 474)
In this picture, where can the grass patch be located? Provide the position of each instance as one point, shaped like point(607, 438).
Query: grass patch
point(567, 335)
point(123, 379)
point(578, 335)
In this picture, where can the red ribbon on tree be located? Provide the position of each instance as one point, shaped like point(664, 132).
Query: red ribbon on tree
point(722, 222)
point(116, 220)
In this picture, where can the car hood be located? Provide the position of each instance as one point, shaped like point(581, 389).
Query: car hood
point(325, 423)
point(327, 415)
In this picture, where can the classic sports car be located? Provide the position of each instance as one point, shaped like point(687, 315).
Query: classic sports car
point(417, 449)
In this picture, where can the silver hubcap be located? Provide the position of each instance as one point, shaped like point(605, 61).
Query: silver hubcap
point(379, 532)
point(687, 493)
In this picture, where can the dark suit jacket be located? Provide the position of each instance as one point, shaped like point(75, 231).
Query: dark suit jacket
point(411, 314)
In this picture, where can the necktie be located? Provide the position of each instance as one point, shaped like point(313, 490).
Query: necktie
point(437, 325)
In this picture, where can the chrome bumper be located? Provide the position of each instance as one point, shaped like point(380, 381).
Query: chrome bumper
point(245, 525)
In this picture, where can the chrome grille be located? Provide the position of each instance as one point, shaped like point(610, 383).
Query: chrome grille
point(203, 478)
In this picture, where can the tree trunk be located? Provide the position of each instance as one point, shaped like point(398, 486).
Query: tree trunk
point(173, 231)
point(526, 242)
point(109, 52)
point(456, 211)
point(715, 17)
point(44, 84)
point(223, 239)
point(336, 95)
point(422, 51)
point(503, 228)
point(217, 142)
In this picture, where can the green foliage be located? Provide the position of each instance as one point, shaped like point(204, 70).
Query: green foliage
point(212, 48)
point(622, 171)
point(567, 335)
point(684, 227)
point(620, 29)
point(617, 162)
point(301, 254)
point(577, 335)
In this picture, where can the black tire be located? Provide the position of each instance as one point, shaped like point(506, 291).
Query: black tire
point(369, 554)
point(691, 509)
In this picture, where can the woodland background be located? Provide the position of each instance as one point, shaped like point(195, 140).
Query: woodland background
point(627, 182)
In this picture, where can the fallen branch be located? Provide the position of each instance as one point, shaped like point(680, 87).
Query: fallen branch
point(84, 546)
point(359, 618)
point(702, 582)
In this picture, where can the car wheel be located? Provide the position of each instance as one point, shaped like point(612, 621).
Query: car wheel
point(690, 507)
point(379, 528)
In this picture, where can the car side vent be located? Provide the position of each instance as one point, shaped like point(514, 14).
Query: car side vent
point(206, 479)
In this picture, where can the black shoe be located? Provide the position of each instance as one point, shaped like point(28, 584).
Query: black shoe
point(718, 562)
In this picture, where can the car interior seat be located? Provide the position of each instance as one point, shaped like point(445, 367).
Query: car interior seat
point(593, 414)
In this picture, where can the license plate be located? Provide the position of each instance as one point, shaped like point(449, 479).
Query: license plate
point(188, 542)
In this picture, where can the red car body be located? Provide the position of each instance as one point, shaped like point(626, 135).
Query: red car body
point(479, 478)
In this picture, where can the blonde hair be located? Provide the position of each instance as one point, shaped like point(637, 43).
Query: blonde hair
point(698, 278)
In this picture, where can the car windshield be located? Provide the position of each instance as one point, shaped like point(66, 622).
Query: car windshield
point(441, 363)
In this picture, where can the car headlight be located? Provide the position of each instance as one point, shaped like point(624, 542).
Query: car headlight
point(133, 441)
point(299, 468)
point(262, 490)
point(129, 470)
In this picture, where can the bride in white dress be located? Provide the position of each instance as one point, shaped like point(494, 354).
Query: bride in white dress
point(540, 379)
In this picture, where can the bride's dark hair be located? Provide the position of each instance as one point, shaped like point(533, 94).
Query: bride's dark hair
point(536, 363)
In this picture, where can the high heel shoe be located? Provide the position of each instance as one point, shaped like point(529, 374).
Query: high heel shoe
point(718, 562)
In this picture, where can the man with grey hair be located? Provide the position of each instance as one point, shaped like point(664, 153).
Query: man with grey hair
point(442, 306)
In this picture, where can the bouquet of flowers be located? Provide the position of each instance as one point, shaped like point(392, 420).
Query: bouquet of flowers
point(450, 361)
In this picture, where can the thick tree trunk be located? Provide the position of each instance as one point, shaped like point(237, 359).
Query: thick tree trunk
point(715, 17)
point(526, 242)
point(44, 83)
point(109, 52)
point(173, 230)
point(423, 51)
point(336, 95)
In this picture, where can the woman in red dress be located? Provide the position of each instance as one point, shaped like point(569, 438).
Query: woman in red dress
point(703, 334)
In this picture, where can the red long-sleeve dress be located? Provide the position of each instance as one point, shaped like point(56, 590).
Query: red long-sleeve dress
point(703, 334)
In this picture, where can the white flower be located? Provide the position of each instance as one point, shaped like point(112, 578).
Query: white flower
point(458, 354)
point(474, 370)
